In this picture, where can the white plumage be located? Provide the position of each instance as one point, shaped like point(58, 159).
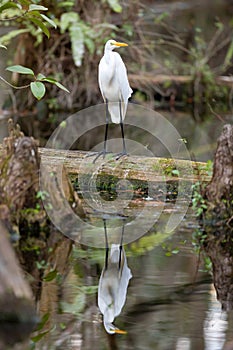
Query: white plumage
point(113, 81)
point(113, 286)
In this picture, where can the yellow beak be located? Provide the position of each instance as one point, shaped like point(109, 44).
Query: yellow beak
point(120, 44)
point(120, 331)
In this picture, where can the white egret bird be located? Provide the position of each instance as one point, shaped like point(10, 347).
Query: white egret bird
point(115, 89)
point(113, 285)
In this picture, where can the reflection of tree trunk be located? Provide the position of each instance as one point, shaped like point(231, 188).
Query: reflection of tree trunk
point(229, 333)
point(218, 219)
point(16, 301)
point(11, 276)
point(60, 247)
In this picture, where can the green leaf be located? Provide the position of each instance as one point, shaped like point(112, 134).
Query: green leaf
point(54, 81)
point(61, 86)
point(38, 89)
point(90, 45)
point(67, 19)
point(115, 6)
point(41, 25)
point(77, 42)
point(24, 2)
point(40, 76)
point(39, 336)
point(20, 69)
point(9, 5)
point(175, 251)
point(229, 54)
point(175, 172)
point(43, 321)
point(49, 80)
point(50, 276)
point(5, 39)
point(49, 20)
point(34, 7)
point(66, 4)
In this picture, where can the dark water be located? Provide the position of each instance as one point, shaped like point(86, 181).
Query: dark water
point(170, 303)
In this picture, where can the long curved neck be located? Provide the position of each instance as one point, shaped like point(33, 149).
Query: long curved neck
point(109, 327)
point(108, 54)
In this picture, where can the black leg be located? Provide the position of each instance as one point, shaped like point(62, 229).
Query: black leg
point(121, 243)
point(124, 153)
point(122, 129)
point(104, 151)
point(106, 127)
point(106, 244)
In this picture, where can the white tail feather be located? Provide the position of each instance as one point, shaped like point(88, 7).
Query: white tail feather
point(115, 253)
point(114, 111)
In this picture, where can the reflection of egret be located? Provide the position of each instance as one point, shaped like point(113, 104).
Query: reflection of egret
point(114, 87)
point(113, 284)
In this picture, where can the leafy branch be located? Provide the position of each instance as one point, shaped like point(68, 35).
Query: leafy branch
point(37, 86)
point(10, 11)
point(32, 12)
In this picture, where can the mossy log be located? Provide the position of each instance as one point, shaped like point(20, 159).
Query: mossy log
point(151, 169)
point(217, 220)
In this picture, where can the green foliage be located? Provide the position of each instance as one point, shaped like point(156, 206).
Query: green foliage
point(209, 167)
point(198, 239)
point(115, 5)
point(198, 202)
point(42, 324)
point(20, 69)
point(42, 265)
point(51, 275)
point(32, 17)
point(6, 39)
point(82, 34)
point(37, 87)
point(28, 13)
point(25, 12)
point(76, 27)
point(169, 249)
point(43, 321)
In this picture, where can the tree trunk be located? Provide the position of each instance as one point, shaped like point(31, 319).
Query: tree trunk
point(217, 220)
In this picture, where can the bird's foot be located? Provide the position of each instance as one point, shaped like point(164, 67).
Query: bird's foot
point(101, 153)
point(122, 154)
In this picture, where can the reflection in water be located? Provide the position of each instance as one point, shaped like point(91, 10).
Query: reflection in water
point(215, 325)
point(113, 283)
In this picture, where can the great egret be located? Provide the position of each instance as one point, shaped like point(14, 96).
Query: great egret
point(115, 89)
point(113, 285)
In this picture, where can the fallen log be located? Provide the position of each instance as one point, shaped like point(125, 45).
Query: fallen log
point(153, 169)
point(177, 79)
